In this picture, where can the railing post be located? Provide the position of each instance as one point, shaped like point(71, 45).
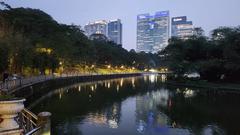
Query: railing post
point(44, 122)
point(20, 82)
point(6, 83)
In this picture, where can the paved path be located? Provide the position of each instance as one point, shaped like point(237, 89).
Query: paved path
point(17, 83)
point(11, 85)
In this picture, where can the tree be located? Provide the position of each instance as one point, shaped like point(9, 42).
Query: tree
point(35, 40)
point(4, 54)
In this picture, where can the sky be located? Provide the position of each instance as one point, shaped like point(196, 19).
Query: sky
point(208, 14)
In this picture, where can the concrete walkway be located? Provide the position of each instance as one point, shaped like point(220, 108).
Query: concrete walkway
point(11, 85)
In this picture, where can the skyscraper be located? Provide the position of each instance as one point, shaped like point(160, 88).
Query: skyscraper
point(182, 28)
point(152, 32)
point(115, 31)
point(97, 27)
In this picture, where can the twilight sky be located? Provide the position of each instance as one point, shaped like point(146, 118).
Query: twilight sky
point(208, 14)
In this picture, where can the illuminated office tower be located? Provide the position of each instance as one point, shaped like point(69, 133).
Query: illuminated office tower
point(97, 27)
point(152, 32)
point(115, 31)
point(182, 28)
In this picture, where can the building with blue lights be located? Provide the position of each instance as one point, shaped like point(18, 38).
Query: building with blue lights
point(152, 32)
point(182, 28)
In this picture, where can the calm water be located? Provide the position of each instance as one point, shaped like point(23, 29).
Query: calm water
point(140, 106)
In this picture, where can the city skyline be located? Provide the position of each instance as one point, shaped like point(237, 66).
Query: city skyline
point(225, 14)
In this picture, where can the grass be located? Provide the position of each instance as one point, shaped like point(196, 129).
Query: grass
point(4, 97)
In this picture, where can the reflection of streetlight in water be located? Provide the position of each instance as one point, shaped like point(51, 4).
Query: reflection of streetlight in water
point(145, 78)
point(92, 88)
point(152, 78)
point(133, 82)
point(108, 85)
point(60, 95)
point(163, 78)
point(79, 88)
point(188, 93)
point(121, 82)
point(60, 91)
point(117, 88)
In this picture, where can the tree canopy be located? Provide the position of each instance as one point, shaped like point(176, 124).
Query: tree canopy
point(214, 58)
point(32, 39)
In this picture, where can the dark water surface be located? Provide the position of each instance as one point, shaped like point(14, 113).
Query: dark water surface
point(140, 106)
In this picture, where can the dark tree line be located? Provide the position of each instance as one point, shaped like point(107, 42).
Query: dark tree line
point(214, 58)
point(31, 39)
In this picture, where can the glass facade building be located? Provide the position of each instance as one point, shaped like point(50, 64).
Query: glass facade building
point(115, 31)
point(182, 28)
point(97, 27)
point(152, 32)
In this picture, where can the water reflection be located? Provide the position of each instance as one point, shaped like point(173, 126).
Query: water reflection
point(148, 117)
point(121, 82)
point(212, 130)
point(109, 116)
point(117, 88)
point(113, 107)
point(163, 78)
point(133, 82)
point(79, 88)
point(188, 93)
point(152, 78)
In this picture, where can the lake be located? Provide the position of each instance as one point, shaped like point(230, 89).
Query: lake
point(142, 105)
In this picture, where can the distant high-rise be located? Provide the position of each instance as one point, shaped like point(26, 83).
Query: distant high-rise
point(97, 27)
point(115, 31)
point(152, 32)
point(182, 28)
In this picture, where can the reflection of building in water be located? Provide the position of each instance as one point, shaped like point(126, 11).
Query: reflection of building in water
point(150, 120)
point(109, 116)
point(212, 130)
point(147, 108)
point(113, 115)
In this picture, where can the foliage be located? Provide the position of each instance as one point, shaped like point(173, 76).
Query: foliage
point(4, 97)
point(215, 58)
point(4, 51)
point(30, 38)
